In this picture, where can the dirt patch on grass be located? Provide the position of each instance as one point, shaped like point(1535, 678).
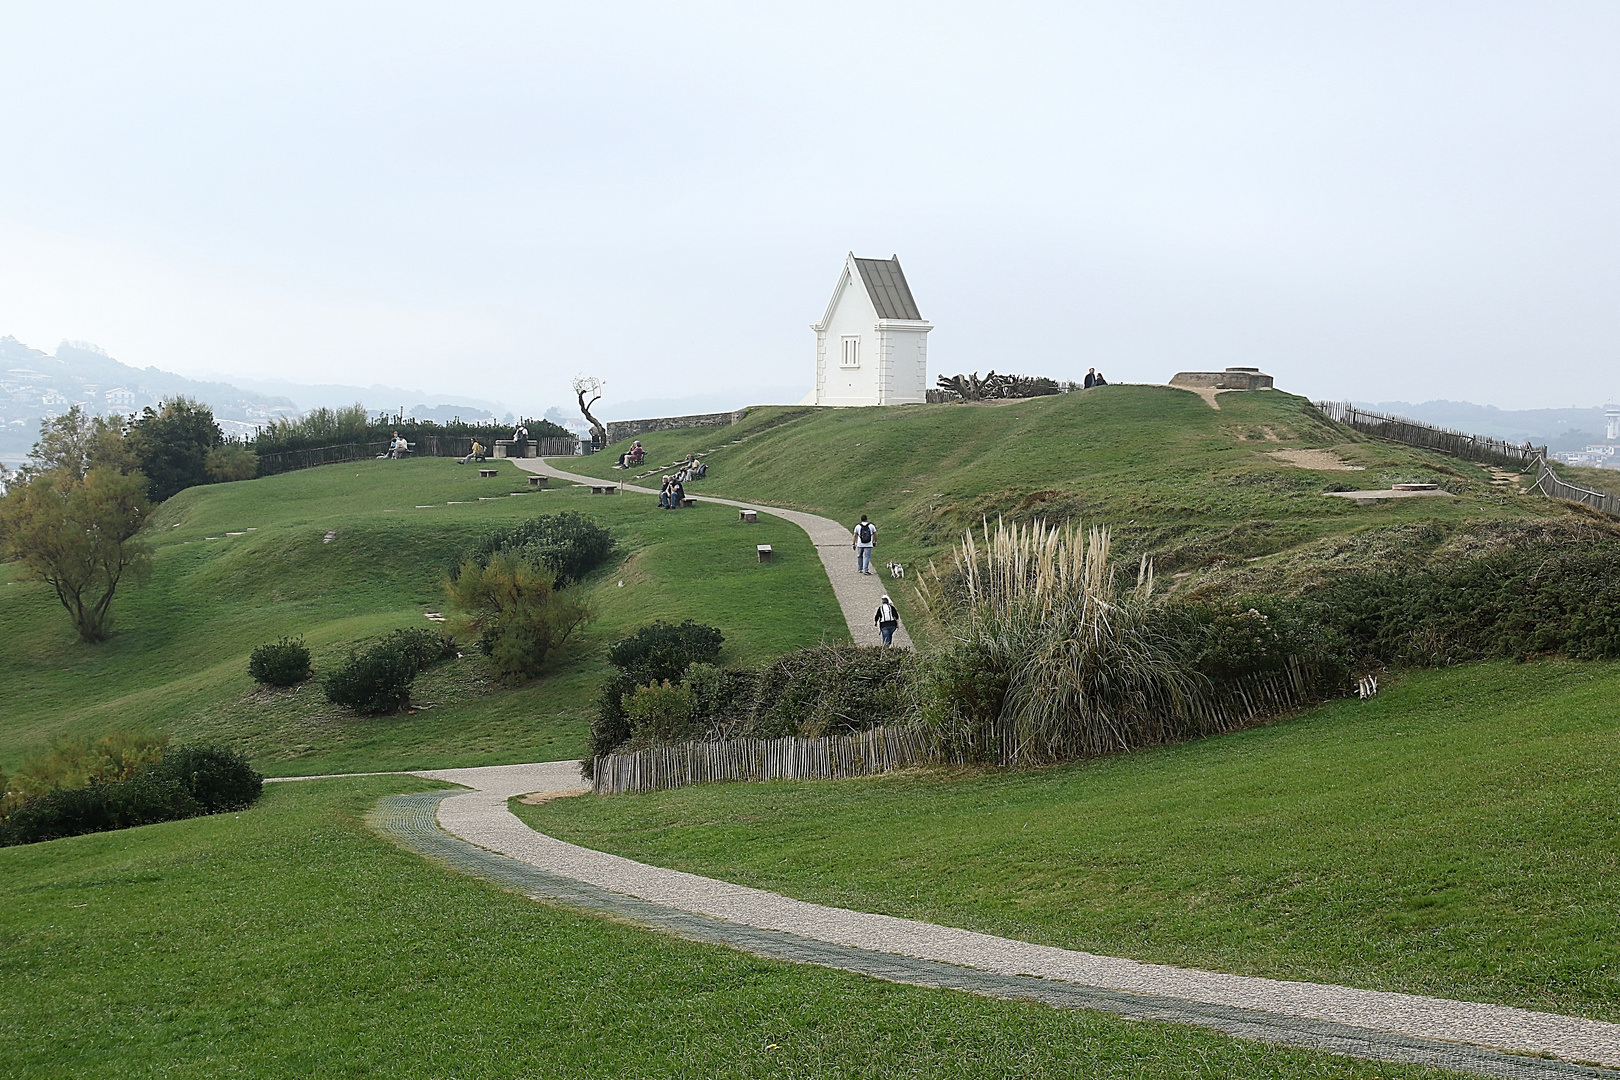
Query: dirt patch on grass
point(1319, 460)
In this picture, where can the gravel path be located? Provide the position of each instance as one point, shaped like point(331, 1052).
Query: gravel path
point(858, 594)
point(481, 817)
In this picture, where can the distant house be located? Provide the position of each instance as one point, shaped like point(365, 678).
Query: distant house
point(872, 343)
point(120, 398)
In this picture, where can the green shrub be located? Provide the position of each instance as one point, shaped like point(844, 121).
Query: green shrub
point(1537, 600)
point(661, 711)
point(569, 544)
point(84, 760)
point(517, 613)
point(663, 650)
point(280, 663)
point(378, 679)
point(831, 690)
point(657, 653)
point(187, 782)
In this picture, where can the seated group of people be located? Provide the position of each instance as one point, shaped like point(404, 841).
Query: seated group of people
point(691, 469)
point(478, 453)
point(398, 447)
point(633, 456)
point(672, 494)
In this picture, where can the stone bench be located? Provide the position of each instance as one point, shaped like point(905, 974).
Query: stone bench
point(604, 489)
point(506, 448)
point(540, 481)
point(764, 552)
point(748, 517)
point(488, 472)
point(688, 502)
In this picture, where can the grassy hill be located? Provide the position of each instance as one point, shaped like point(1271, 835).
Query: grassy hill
point(240, 564)
point(1173, 477)
point(1456, 836)
point(291, 941)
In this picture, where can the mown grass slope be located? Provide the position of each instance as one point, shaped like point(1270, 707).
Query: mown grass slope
point(289, 941)
point(1457, 835)
point(178, 659)
point(1170, 475)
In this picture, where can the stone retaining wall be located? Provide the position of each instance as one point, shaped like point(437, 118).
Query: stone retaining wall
point(619, 430)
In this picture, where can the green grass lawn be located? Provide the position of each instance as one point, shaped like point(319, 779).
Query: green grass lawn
point(1170, 476)
point(178, 660)
point(289, 941)
point(1457, 835)
point(1167, 472)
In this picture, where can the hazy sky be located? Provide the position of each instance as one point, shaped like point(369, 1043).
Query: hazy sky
point(1380, 200)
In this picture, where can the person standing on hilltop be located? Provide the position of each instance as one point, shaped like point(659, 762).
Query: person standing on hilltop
point(1091, 379)
point(862, 540)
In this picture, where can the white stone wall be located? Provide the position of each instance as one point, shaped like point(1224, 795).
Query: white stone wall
point(893, 355)
point(852, 316)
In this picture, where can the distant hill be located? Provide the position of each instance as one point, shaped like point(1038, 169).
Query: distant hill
point(1561, 429)
point(35, 385)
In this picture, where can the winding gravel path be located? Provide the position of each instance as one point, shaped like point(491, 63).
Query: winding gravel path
point(480, 817)
point(858, 594)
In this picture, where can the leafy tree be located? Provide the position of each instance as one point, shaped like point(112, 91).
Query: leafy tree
point(74, 443)
point(232, 461)
point(172, 443)
point(78, 535)
point(517, 613)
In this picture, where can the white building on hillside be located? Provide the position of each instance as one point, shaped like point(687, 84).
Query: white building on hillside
point(872, 344)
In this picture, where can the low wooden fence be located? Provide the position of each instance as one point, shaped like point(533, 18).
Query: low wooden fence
point(833, 757)
point(1414, 433)
point(1548, 483)
point(1472, 448)
point(421, 446)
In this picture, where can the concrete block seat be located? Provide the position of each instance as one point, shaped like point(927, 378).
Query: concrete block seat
point(507, 448)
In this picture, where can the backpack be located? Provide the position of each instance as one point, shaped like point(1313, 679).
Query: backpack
point(864, 532)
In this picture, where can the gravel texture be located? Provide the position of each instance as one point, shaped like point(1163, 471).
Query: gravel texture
point(481, 817)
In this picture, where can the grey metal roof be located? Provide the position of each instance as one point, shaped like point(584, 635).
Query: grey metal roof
point(886, 285)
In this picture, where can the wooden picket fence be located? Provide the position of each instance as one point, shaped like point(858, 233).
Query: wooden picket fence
point(832, 757)
point(1472, 448)
point(1415, 433)
point(1548, 483)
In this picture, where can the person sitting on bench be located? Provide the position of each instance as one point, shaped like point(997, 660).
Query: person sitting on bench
point(475, 454)
point(633, 456)
point(666, 496)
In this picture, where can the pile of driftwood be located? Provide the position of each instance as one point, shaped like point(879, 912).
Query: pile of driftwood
point(992, 386)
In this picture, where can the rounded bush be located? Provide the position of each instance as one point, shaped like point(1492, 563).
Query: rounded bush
point(280, 663)
point(189, 781)
point(375, 681)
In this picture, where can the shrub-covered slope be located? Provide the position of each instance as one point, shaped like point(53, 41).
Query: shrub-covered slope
point(340, 554)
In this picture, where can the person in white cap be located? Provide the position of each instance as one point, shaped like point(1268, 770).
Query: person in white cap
point(887, 618)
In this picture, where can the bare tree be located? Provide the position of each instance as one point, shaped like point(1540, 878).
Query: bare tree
point(588, 385)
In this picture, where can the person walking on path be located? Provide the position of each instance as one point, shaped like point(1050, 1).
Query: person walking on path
point(862, 540)
point(887, 618)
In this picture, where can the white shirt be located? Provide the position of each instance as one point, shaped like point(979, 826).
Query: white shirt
point(871, 533)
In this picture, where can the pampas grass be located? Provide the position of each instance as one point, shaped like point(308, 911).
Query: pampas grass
point(1043, 656)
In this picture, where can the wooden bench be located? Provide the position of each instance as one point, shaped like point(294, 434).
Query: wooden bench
point(749, 517)
point(604, 489)
point(539, 481)
point(764, 552)
point(488, 472)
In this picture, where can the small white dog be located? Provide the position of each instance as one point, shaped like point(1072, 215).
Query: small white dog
point(896, 570)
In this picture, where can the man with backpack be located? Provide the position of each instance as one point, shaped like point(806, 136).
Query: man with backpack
point(887, 618)
point(863, 538)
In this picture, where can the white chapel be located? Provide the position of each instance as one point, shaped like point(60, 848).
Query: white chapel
point(872, 344)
